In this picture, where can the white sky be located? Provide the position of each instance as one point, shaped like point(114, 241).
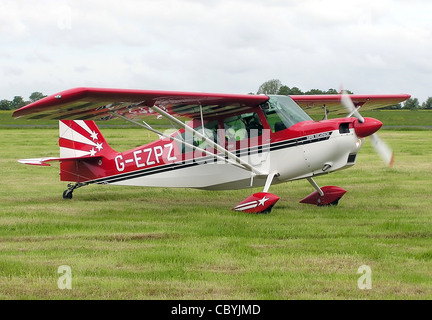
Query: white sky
point(379, 46)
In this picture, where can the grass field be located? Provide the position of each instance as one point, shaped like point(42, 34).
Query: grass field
point(154, 243)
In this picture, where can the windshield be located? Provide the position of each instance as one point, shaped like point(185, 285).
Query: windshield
point(282, 112)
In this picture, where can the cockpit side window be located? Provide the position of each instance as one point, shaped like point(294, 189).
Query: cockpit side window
point(274, 120)
point(282, 112)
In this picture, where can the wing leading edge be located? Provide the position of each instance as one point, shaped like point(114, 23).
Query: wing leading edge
point(100, 103)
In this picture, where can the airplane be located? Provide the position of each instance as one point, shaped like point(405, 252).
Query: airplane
point(230, 141)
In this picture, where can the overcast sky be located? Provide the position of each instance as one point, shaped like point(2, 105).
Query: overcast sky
point(370, 46)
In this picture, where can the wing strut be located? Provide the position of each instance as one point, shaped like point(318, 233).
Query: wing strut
point(147, 127)
point(216, 146)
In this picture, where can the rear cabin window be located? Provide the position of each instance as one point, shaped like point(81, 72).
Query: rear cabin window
point(209, 131)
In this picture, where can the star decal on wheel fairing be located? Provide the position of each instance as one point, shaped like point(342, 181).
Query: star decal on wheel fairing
point(252, 204)
point(262, 201)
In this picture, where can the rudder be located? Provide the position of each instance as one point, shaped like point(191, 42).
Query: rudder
point(82, 139)
point(79, 138)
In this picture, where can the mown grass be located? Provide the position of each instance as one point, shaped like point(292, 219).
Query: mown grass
point(156, 243)
point(394, 118)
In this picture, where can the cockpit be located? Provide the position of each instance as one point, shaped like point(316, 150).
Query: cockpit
point(282, 112)
point(231, 129)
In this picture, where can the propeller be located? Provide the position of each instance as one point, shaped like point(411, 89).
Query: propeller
point(384, 151)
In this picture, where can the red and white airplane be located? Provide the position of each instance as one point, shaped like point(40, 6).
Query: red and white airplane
point(231, 142)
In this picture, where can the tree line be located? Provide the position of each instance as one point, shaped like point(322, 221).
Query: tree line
point(273, 86)
point(18, 101)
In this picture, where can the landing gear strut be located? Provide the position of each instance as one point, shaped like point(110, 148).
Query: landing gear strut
point(67, 194)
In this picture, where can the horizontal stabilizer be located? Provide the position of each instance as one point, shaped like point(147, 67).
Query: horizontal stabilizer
point(43, 161)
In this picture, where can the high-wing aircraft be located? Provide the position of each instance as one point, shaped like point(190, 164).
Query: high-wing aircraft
point(231, 141)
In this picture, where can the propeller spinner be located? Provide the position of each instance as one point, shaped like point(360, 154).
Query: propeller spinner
point(367, 127)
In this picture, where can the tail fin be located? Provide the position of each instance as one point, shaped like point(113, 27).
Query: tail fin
point(83, 152)
point(83, 148)
point(79, 138)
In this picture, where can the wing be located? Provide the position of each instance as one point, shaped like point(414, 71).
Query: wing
point(98, 104)
point(313, 104)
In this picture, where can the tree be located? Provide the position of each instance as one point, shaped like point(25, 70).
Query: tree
point(5, 105)
point(270, 87)
point(275, 86)
point(315, 91)
point(412, 104)
point(284, 90)
point(36, 96)
point(427, 104)
point(332, 91)
point(295, 91)
point(287, 91)
point(18, 102)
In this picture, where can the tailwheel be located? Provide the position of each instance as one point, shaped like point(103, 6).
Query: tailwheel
point(67, 194)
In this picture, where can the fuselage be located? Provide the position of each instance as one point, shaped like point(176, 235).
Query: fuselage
point(277, 137)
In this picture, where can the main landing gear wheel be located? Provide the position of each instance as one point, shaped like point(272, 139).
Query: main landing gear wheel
point(330, 196)
point(331, 204)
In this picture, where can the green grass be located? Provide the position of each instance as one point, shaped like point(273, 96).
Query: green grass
point(156, 243)
point(402, 117)
point(395, 118)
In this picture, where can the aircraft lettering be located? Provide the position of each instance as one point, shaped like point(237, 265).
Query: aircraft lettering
point(149, 151)
point(146, 157)
point(171, 156)
point(318, 135)
point(119, 163)
point(137, 159)
point(158, 154)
